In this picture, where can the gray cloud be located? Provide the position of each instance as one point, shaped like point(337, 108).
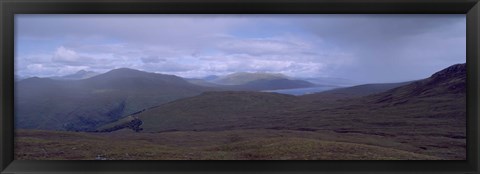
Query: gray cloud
point(403, 47)
point(371, 48)
point(152, 59)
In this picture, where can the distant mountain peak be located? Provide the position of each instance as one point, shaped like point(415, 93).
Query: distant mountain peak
point(451, 71)
point(239, 78)
point(82, 71)
point(79, 75)
point(124, 70)
point(210, 77)
point(121, 73)
point(37, 78)
point(258, 73)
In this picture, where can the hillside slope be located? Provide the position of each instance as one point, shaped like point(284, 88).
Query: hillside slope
point(352, 92)
point(231, 110)
point(425, 114)
point(215, 111)
point(210, 145)
point(83, 105)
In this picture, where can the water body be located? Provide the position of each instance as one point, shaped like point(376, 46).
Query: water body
point(302, 91)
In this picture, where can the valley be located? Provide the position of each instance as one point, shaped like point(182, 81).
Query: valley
point(423, 119)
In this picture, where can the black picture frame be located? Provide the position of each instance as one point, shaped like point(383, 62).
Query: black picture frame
point(8, 8)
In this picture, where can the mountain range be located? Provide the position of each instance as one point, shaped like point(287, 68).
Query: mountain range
point(424, 117)
point(82, 105)
point(246, 77)
point(429, 106)
point(166, 102)
point(82, 74)
point(245, 81)
point(86, 100)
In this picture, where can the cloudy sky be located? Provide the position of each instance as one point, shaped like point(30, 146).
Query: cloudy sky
point(367, 48)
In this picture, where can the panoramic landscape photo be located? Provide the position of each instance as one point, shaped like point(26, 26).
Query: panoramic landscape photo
point(240, 87)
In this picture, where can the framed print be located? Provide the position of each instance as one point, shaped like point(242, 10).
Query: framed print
point(239, 86)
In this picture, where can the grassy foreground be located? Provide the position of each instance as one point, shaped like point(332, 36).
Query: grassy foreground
point(214, 145)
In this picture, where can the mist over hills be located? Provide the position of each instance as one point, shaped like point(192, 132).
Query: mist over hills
point(210, 77)
point(18, 78)
point(245, 81)
point(82, 74)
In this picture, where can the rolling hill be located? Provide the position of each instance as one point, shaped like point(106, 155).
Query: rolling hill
point(257, 85)
point(354, 91)
point(332, 81)
point(424, 114)
point(246, 77)
point(244, 81)
point(83, 105)
point(213, 110)
point(423, 119)
point(274, 84)
point(202, 82)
